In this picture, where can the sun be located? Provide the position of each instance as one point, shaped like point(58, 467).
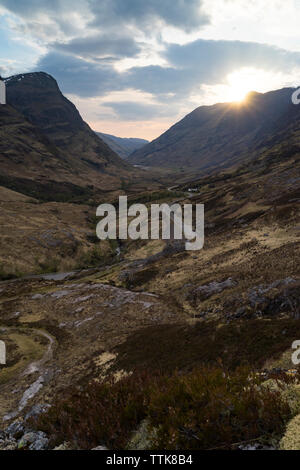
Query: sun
point(241, 82)
point(238, 92)
point(238, 84)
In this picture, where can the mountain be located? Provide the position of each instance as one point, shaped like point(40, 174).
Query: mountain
point(30, 163)
point(47, 147)
point(223, 134)
point(128, 309)
point(122, 146)
point(233, 306)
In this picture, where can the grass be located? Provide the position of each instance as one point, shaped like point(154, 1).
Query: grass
point(49, 191)
point(22, 349)
point(102, 253)
point(6, 274)
point(50, 265)
point(99, 255)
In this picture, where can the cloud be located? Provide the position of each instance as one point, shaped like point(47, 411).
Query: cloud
point(191, 67)
point(48, 20)
point(6, 68)
point(100, 46)
point(80, 77)
point(87, 43)
point(208, 62)
point(31, 8)
point(134, 111)
point(208, 56)
point(183, 14)
point(96, 29)
point(180, 13)
point(104, 15)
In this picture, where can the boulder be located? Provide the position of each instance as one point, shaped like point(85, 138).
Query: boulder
point(33, 441)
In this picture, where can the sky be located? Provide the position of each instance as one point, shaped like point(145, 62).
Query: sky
point(135, 67)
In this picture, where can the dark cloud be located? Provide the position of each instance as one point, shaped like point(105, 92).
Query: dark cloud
point(32, 8)
point(160, 80)
point(183, 14)
point(191, 66)
point(208, 62)
point(210, 57)
point(96, 29)
point(100, 46)
point(82, 56)
point(80, 77)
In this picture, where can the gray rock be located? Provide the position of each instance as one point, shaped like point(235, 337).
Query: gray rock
point(257, 294)
point(15, 430)
point(100, 448)
point(37, 296)
point(64, 446)
point(36, 410)
point(59, 294)
point(39, 444)
point(8, 444)
point(203, 292)
point(33, 441)
point(240, 312)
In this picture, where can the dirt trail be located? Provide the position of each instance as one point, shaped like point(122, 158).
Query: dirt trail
point(36, 366)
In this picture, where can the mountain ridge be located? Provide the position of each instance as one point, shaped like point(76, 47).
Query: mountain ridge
point(222, 134)
point(44, 140)
point(122, 146)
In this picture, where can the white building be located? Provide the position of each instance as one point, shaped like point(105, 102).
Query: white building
point(2, 92)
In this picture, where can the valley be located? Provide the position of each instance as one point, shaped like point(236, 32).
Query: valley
point(76, 312)
point(139, 311)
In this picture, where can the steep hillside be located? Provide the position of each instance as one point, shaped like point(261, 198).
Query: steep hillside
point(24, 150)
point(223, 134)
point(43, 138)
point(122, 146)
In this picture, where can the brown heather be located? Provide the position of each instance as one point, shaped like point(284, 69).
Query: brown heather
point(204, 409)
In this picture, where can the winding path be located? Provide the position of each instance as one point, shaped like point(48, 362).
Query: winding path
point(36, 366)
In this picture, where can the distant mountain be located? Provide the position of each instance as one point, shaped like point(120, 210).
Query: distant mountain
point(122, 146)
point(46, 146)
point(223, 134)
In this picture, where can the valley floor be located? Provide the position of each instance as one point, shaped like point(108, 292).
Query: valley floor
point(157, 306)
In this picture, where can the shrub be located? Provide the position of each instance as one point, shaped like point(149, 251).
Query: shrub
point(94, 257)
point(50, 265)
point(291, 438)
point(240, 343)
point(208, 409)
point(7, 274)
point(203, 409)
point(100, 413)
